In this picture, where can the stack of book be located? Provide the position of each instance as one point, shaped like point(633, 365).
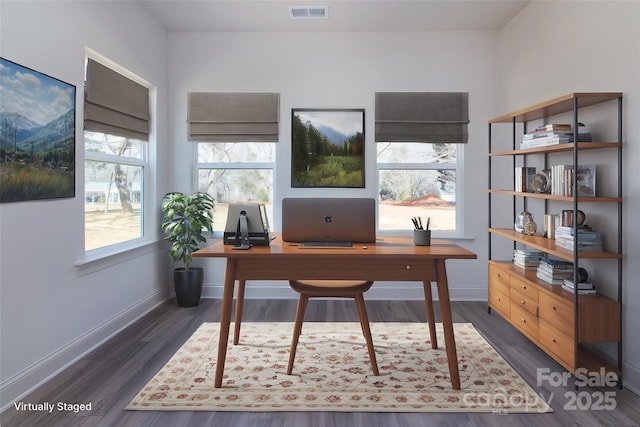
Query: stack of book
point(527, 259)
point(553, 134)
point(584, 288)
point(554, 271)
point(587, 239)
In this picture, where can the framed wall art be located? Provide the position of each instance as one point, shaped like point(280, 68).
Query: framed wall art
point(37, 135)
point(327, 147)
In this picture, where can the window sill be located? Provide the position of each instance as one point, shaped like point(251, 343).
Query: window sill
point(100, 259)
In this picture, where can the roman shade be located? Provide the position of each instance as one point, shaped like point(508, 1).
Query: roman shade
point(432, 117)
point(115, 104)
point(233, 117)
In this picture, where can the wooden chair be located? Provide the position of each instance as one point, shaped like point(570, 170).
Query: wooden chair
point(428, 302)
point(333, 289)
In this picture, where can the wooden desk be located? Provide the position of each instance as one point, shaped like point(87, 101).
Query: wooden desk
point(389, 259)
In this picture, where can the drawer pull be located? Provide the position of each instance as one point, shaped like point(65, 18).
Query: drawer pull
point(554, 308)
point(524, 286)
point(408, 267)
point(524, 320)
point(522, 302)
point(553, 340)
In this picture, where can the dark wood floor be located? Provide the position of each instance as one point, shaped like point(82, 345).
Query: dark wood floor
point(110, 376)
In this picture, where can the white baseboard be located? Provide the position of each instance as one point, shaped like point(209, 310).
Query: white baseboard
point(631, 377)
point(26, 381)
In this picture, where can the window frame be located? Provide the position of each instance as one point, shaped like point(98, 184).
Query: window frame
point(111, 251)
point(234, 166)
point(458, 167)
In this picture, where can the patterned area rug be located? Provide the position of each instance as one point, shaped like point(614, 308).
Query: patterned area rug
point(332, 372)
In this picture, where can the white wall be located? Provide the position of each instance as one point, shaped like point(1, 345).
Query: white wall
point(554, 48)
point(343, 70)
point(53, 312)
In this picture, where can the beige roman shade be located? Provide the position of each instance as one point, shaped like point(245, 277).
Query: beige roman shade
point(233, 117)
point(432, 117)
point(115, 104)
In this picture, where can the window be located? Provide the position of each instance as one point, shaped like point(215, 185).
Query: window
point(116, 134)
point(114, 175)
point(419, 162)
point(235, 135)
point(417, 180)
point(236, 173)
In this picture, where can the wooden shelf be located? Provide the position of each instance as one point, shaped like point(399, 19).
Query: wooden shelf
point(549, 245)
point(558, 105)
point(561, 323)
point(593, 363)
point(554, 197)
point(556, 148)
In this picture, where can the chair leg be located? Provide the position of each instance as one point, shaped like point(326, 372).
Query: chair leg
point(297, 330)
point(239, 307)
point(366, 330)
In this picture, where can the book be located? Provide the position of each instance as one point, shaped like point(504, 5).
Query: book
point(580, 291)
point(562, 180)
point(554, 271)
point(554, 126)
point(583, 288)
point(554, 264)
point(553, 138)
point(527, 259)
point(587, 239)
point(523, 177)
point(551, 222)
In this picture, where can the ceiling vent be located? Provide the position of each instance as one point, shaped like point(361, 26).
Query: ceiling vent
point(309, 12)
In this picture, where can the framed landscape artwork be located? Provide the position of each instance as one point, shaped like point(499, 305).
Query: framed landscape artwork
point(327, 147)
point(37, 135)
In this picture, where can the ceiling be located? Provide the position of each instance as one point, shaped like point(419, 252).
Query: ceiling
point(343, 15)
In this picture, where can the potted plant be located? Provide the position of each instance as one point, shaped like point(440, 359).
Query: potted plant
point(184, 220)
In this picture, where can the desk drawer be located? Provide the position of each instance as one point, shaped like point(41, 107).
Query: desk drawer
point(525, 288)
point(334, 267)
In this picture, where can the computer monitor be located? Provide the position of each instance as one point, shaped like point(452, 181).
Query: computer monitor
point(255, 215)
point(329, 220)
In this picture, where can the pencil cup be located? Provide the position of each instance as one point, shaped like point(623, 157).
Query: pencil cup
point(422, 237)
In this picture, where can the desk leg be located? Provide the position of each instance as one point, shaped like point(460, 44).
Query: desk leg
point(239, 306)
point(428, 301)
point(225, 319)
point(447, 323)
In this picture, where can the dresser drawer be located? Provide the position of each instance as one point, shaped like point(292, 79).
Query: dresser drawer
point(525, 321)
point(499, 279)
point(557, 312)
point(557, 342)
point(523, 301)
point(500, 302)
point(525, 288)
